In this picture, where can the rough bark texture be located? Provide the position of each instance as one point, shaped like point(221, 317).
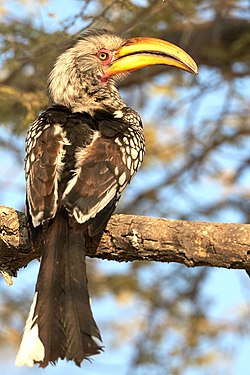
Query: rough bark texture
point(129, 238)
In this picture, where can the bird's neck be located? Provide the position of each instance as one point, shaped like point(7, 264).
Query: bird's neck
point(82, 93)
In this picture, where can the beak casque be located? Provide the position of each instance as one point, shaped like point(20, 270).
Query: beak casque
point(137, 53)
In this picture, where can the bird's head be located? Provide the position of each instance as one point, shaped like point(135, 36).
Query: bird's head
point(84, 75)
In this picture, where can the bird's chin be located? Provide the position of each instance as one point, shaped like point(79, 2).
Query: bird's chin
point(106, 78)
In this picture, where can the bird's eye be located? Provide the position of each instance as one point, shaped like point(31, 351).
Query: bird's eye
point(103, 56)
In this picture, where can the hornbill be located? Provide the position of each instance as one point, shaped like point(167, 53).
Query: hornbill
point(81, 153)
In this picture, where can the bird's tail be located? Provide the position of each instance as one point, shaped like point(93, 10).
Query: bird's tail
point(60, 322)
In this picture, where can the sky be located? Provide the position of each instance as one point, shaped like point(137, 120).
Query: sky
point(230, 285)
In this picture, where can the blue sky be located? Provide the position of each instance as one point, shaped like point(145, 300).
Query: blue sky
point(226, 287)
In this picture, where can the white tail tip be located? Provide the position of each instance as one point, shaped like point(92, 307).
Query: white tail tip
point(31, 349)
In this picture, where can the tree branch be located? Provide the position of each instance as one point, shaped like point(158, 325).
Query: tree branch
point(129, 238)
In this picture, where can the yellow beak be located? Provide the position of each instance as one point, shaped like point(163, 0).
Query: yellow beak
point(137, 53)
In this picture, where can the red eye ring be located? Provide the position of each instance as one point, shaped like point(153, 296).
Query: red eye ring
point(105, 56)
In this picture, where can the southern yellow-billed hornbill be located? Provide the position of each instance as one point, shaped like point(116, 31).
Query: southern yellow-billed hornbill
point(81, 153)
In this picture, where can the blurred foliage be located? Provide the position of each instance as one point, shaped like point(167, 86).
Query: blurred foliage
point(197, 164)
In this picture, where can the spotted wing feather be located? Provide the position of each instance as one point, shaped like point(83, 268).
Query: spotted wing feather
point(100, 178)
point(44, 146)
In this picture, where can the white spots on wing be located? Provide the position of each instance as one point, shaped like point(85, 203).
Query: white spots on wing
point(134, 153)
point(118, 142)
point(132, 145)
point(27, 165)
point(32, 157)
point(122, 179)
point(132, 149)
point(125, 140)
point(136, 164)
point(116, 171)
point(37, 134)
point(141, 154)
point(129, 162)
point(31, 349)
point(118, 114)
point(131, 132)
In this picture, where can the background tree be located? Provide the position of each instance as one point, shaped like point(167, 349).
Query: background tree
point(158, 318)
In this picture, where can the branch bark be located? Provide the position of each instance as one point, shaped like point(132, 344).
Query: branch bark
point(129, 238)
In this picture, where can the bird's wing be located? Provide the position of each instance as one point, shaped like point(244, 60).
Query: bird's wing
point(99, 177)
point(72, 161)
point(44, 162)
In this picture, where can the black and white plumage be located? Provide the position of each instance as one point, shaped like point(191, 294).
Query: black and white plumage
point(81, 154)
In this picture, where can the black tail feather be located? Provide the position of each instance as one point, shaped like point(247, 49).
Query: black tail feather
point(60, 313)
point(50, 289)
point(81, 329)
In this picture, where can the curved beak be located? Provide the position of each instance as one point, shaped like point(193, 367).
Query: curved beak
point(137, 53)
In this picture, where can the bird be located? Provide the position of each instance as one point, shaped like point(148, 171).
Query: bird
point(81, 153)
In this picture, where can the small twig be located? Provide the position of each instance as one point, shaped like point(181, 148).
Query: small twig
point(7, 277)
